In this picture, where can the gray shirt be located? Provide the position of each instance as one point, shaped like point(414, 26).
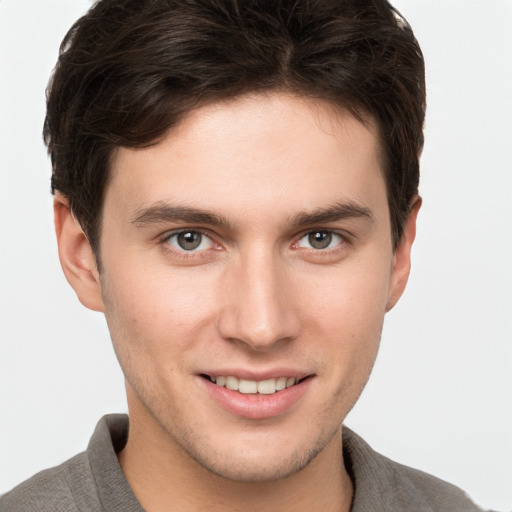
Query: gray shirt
point(93, 481)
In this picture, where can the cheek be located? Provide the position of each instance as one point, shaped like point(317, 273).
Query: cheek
point(352, 298)
point(348, 309)
point(154, 318)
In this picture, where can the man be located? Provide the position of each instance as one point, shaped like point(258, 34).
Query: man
point(236, 189)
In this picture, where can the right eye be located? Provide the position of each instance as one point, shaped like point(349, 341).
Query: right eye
point(188, 240)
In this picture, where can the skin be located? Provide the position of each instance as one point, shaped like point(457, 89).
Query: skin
point(255, 296)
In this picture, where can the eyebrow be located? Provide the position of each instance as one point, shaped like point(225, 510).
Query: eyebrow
point(164, 212)
point(336, 212)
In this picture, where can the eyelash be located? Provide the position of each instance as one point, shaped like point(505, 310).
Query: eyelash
point(331, 234)
point(183, 253)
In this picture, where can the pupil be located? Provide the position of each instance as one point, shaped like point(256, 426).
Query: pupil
point(320, 239)
point(189, 240)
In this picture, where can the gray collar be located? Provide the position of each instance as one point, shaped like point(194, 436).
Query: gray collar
point(380, 484)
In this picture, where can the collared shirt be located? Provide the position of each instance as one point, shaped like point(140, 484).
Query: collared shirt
point(93, 481)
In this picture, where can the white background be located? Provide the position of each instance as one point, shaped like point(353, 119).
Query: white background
point(440, 396)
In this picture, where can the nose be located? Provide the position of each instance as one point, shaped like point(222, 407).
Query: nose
point(259, 303)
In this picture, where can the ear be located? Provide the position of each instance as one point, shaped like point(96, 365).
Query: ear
point(402, 257)
point(76, 256)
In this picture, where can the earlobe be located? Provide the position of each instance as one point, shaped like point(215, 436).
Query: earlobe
point(76, 256)
point(402, 257)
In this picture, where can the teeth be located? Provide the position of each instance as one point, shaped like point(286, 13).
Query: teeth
point(247, 386)
point(281, 383)
point(267, 387)
point(232, 383)
point(290, 382)
point(263, 387)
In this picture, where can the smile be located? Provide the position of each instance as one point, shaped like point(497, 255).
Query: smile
point(256, 398)
point(246, 386)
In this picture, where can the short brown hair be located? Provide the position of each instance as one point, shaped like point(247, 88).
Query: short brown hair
point(131, 69)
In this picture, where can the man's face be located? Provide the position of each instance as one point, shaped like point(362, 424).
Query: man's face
point(251, 247)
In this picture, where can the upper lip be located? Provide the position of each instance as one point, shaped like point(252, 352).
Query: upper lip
point(248, 374)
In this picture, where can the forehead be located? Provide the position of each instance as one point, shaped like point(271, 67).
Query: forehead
point(262, 152)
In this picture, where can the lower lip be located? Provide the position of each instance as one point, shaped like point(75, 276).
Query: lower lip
point(256, 406)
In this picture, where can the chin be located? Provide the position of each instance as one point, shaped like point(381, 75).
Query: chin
point(251, 464)
point(254, 471)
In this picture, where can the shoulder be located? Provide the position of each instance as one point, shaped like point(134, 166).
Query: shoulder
point(382, 484)
point(416, 486)
point(65, 488)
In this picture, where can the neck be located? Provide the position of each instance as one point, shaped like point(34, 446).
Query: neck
point(162, 475)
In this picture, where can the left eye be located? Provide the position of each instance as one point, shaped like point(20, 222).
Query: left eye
point(320, 240)
point(190, 241)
